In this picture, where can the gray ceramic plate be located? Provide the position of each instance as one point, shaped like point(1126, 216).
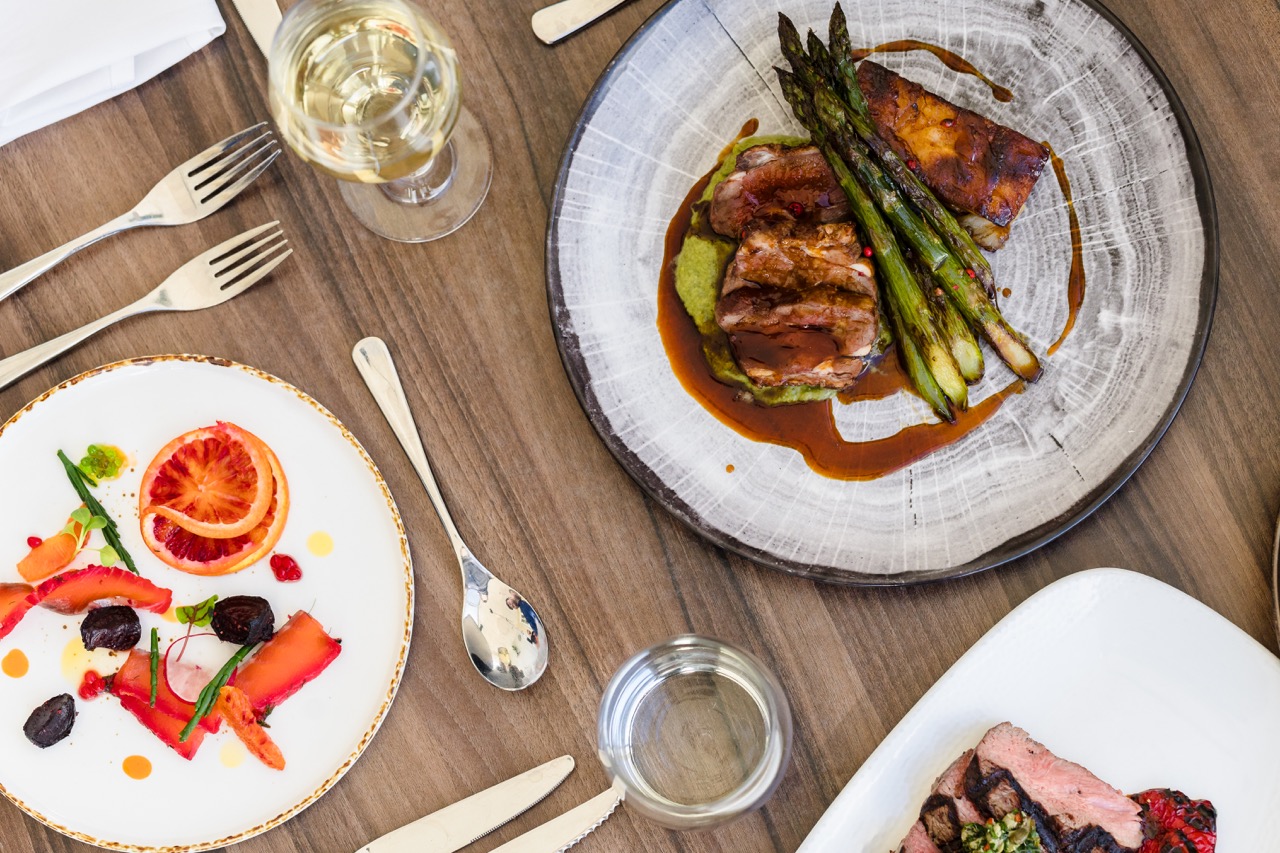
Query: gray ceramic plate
point(679, 91)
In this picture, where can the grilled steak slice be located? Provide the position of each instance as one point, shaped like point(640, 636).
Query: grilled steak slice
point(799, 304)
point(944, 813)
point(1075, 811)
point(974, 165)
point(777, 182)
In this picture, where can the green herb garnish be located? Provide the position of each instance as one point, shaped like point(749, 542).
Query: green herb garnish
point(199, 615)
point(155, 664)
point(115, 548)
point(101, 462)
point(209, 695)
point(1014, 833)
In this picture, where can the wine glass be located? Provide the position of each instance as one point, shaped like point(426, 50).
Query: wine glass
point(368, 91)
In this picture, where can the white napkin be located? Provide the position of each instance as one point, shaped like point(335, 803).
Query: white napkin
point(58, 57)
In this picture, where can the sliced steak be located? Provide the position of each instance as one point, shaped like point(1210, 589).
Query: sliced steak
point(777, 182)
point(944, 813)
point(1075, 811)
point(975, 165)
point(799, 304)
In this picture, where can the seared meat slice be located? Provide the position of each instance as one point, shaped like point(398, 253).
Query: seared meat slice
point(1075, 811)
point(944, 813)
point(776, 182)
point(799, 304)
point(974, 165)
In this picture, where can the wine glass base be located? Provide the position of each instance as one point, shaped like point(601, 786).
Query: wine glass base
point(444, 209)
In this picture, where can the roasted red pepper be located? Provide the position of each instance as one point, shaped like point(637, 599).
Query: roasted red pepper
point(1175, 823)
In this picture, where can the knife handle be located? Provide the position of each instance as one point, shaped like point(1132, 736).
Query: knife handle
point(563, 19)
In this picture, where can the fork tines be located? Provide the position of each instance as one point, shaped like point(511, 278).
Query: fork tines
point(246, 258)
point(232, 164)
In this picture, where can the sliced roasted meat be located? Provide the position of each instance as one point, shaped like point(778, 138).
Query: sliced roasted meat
point(1075, 811)
point(974, 165)
point(799, 304)
point(944, 813)
point(777, 182)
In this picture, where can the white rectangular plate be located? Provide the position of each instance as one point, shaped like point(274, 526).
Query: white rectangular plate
point(1137, 681)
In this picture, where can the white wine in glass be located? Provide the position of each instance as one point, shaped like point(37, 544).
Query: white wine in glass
point(368, 91)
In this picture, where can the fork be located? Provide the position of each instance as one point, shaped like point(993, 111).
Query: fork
point(225, 271)
point(189, 193)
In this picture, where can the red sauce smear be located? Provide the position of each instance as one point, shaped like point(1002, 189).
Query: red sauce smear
point(954, 61)
point(1075, 281)
point(808, 428)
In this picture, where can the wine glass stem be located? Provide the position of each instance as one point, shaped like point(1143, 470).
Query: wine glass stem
point(427, 183)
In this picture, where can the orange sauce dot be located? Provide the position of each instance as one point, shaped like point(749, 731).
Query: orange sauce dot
point(15, 664)
point(136, 767)
point(728, 468)
point(1006, 293)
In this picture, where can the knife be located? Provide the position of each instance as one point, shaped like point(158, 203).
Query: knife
point(563, 832)
point(456, 826)
point(262, 17)
point(561, 20)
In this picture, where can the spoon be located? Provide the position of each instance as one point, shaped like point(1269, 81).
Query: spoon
point(503, 634)
point(1275, 579)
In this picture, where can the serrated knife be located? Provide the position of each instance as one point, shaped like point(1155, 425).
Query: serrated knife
point(262, 18)
point(457, 825)
point(563, 832)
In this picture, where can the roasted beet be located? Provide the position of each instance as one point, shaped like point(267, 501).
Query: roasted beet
point(115, 627)
point(51, 722)
point(243, 619)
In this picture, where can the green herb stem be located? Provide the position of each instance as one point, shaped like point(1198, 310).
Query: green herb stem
point(111, 533)
point(209, 695)
point(155, 664)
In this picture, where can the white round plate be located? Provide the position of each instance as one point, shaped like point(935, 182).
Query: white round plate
point(362, 593)
point(679, 91)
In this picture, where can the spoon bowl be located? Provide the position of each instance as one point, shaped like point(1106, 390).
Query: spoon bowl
point(501, 631)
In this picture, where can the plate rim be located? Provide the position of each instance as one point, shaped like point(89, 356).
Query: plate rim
point(397, 676)
point(568, 345)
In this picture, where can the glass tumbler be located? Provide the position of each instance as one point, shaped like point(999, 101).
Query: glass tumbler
point(697, 732)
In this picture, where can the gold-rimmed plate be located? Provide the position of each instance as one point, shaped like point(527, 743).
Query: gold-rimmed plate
point(357, 580)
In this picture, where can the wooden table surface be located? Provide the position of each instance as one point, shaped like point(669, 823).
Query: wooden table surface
point(536, 491)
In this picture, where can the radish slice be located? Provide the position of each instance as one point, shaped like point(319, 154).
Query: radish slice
point(190, 662)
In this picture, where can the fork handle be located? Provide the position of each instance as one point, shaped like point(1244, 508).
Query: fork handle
point(14, 279)
point(20, 364)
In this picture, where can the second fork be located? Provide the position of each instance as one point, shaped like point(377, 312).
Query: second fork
point(227, 270)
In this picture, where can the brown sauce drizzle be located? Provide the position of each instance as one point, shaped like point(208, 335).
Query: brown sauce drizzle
point(1075, 281)
point(808, 428)
point(954, 61)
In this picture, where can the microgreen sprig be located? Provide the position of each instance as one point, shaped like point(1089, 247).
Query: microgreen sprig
point(114, 548)
point(209, 695)
point(155, 664)
point(199, 615)
point(82, 523)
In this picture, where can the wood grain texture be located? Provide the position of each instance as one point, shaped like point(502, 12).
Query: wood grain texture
point(1049, 454)
point(542, 499)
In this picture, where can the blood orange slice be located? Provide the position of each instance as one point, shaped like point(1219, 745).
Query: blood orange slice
point(214, 482)
point(203, 555)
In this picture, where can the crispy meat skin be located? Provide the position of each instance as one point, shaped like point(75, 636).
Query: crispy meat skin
point(1075, 811)
point(799, 304)
point(975, 165)
point(768, 179)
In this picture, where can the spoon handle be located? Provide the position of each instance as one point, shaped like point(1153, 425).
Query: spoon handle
point(373, 360)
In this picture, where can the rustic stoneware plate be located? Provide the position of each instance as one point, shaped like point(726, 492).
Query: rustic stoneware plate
point(679, 91)
point(361, 591)
point(1137, 681)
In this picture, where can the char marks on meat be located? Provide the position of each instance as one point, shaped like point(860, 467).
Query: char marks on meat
point(944, 813)
point(773, 182)
point(973, 164)
point(799, 304)
point(1075, 811)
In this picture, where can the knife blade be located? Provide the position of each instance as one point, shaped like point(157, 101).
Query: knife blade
point(262, 17)
point(455, 826)
point(563, 832)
